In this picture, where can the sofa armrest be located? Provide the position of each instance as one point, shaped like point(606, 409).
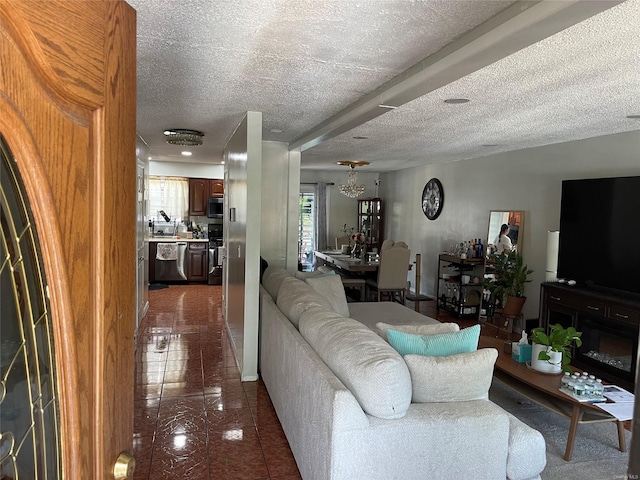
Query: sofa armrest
point(527, 451)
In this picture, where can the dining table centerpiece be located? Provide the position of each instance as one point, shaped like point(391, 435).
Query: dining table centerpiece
point(359, 244)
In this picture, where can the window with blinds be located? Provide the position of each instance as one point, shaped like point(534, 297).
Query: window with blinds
point(307, 230)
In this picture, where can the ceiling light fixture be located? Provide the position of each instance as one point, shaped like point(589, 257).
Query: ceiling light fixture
point(187, 154)
point(359, 137)
point(181, 136)
point(634, 117)
point(351, 189)
point(456, 100)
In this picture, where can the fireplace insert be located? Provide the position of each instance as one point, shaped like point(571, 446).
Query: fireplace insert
point(608, 349)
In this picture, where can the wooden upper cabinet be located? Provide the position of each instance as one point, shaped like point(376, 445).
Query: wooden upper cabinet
point(216, 187)
point(200, 189)
point(198, 196)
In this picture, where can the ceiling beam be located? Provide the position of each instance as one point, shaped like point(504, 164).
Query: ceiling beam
point(518, 26)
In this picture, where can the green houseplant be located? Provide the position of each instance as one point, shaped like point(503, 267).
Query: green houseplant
point(507, 288)
point(554, 350)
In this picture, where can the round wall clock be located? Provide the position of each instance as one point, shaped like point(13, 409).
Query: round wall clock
point(432, 198)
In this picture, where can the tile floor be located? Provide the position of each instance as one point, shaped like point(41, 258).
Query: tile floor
point(193, 417)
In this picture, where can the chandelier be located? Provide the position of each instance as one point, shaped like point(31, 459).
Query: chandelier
point(351, 189)
point(181, 136)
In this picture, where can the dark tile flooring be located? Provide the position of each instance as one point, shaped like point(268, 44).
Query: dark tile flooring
point(194, 419)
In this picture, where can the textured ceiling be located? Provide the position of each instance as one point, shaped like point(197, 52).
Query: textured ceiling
point(203, 64)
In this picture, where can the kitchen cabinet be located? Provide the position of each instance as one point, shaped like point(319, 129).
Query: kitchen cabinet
point(197, 264)
point(216, 187)
point(370, 222)
point(152, 262)
point(198, 196)
point(200, 189)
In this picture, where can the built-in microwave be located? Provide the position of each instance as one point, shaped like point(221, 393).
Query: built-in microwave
point(215, 208)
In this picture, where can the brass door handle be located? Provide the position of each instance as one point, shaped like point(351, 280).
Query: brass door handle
point(124, 467)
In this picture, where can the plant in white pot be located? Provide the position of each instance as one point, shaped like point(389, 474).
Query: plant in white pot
point(552, 353)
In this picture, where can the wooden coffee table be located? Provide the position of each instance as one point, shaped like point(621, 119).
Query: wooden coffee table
point(544, 389)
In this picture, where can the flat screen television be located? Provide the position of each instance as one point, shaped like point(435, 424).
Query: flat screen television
point(600, 233)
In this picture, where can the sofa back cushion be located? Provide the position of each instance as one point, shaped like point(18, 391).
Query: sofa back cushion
point(319, 272)
point(331, 287)
point(272, 280)
point(295, 296)
point(368, 366)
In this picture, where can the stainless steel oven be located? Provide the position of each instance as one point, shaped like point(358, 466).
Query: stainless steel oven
point(216, 251)
point(216, 257)
point(215, 230)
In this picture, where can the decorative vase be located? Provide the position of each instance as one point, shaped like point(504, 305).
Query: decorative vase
point(553, 365)
point(357, 251)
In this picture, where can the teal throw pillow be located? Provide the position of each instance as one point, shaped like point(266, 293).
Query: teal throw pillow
point(440, 345)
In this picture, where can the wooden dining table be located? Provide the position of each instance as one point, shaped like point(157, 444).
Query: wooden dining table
point(345, 262)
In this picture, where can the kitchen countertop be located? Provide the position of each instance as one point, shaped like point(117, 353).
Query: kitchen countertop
point(176, 239)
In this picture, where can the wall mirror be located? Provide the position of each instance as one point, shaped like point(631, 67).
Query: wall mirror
point(514, 219)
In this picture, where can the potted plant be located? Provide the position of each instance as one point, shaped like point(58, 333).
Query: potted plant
point(348, 232)
point(552, 353)
point(507, 288)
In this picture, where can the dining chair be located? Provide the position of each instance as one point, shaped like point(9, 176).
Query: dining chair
point(392, 273)
point(342, 241)
point(388, 243)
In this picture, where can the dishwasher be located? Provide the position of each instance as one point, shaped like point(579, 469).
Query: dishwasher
point(170, 261)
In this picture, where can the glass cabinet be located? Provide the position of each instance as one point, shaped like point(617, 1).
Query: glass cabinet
point(370, 221)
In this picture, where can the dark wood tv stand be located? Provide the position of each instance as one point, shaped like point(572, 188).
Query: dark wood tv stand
point(609, 323)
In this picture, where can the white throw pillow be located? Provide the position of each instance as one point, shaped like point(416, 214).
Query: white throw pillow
point(456, 378)
point(369, 367)
point(295, 296)
point(417, 329)
point(330, 286)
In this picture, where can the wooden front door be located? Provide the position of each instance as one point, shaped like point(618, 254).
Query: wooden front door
point(67, 115)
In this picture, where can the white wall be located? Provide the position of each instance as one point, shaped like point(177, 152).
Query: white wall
point(183, 169)
point(528, 180)
point(275, 197)
point(243, 154)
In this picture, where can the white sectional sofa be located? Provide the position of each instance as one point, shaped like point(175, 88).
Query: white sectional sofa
point(344, 397)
